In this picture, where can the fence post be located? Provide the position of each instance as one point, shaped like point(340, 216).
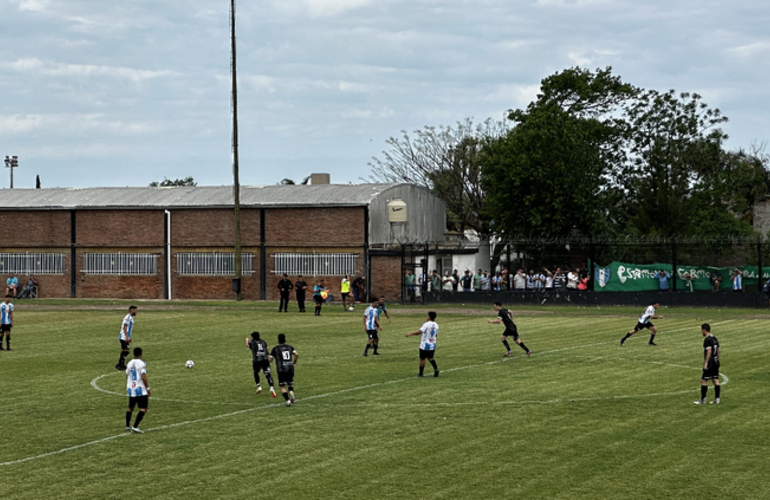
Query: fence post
point(759, 264)
point(673, 265)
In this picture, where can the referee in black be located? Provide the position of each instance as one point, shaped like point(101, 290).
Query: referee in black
point(504, 316)
point(710, 371)
point(284, 287)
point(299, 287)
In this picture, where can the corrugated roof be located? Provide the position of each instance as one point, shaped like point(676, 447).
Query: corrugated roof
point(190, 197)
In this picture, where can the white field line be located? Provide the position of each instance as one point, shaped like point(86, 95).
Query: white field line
point(343, 391)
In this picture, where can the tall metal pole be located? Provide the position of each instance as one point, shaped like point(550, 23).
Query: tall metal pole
point(236, 182)
point(12, 162)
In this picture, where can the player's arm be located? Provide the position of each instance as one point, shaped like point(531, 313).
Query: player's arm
point(708, 358)
point(146, 384)
point(387, 315)
point(247, 342)
point(377, 322)
point(495, 321)
point(296, 356)
point(418, 332)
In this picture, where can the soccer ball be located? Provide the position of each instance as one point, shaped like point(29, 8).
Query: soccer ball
point(189, 363)
point(351, 308)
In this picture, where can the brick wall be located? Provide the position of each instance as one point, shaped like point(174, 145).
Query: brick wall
point(214, 287)
point(35, 229)
point(119, 228)
point(214, 227)
point(327, 227)
point(386, 276)
point(107, 286)
point(332, 283)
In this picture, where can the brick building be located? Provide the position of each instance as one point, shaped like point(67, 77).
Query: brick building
point(178, 242)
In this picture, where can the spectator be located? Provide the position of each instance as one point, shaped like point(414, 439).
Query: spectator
point(31, 285)
point(715, 279)
point(583, 283)
point(548, 279)
point(520, 280)
point(435, 281)
point(467, 281)
point(485, 281)
point(531, 278)
point(410, 285)
point(539, 281)
point(737, 280)
point(456, 277)
point(497, 281)
point(572, 280)
point(449, 282)
point(12, 285)
point(559, 280)
point(582, 271)
point(357, 286)
point(688, 282)
point(662, 276)
point(477, 281)
point(423, 281)
point(506, 283)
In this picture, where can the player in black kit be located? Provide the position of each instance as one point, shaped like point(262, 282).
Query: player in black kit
point(284, 365)
point(284, 287)
point(259, 361)
point(504, 316)
point(710, 365)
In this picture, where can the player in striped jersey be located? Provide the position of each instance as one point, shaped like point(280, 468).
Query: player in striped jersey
point(138, 390)
point(372, 327)
point(644, 322)
point(428, 332)
point(126, 329)
point(6, 322)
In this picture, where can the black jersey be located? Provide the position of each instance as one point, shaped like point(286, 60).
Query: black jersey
point(300, 286)
point(258, 349)
point(282, 354)
point(507, 320)
point(710, 343)
point(285, 286)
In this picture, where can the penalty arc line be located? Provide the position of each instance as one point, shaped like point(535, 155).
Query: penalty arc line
point(318, 396)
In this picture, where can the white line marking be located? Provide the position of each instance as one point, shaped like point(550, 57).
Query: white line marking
point(343, 391)
point(95, 385)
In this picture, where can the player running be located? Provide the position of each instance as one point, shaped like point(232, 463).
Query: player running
point(372, 327)
point(284, 365)
point(505, 317)
point(138, 390)
point(259, 361)
point(644, 322)
point(711, 353)
point(6, 322)
point(429, 331)
point(125, 337)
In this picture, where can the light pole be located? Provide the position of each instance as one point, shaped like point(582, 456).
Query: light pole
point(11, 162)
point(236, 181)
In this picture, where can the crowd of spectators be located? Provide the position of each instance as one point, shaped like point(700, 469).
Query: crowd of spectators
point(543, 279)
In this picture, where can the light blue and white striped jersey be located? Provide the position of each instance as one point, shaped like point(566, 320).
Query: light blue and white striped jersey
point(429, 332)
point(5, 313)
point(647, 314)
point(737, 282)
point(370, 317)
point(134, 383)
point(128, 322)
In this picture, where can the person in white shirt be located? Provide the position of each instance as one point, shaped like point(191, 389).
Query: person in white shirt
point(138, 390)
point(449, 282)
point(644, 322)
point(429, 331)
point(572, 280)
point(6, 322)
point(520, 280)
point(372, 327)
point(126, 329)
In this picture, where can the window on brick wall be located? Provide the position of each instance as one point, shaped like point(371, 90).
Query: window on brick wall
point(315, 264)
point(212, 264)
point(120, 263)
point(32, 263)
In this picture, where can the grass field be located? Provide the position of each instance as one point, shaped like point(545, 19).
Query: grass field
point(581, 418)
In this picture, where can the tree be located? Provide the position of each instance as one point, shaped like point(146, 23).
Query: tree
point(187, 181)
point(444, 160)
point(548, 175)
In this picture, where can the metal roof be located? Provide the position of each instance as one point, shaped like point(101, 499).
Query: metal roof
point(328, 195)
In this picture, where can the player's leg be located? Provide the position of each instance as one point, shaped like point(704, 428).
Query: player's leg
point(2, 334)
point(290, 384)
point(629, 334)
point(8, 338)
point(143, 403)
point(717, 390)
point(652, 335)
point(255, 367)
point(434, 365)
point(422, 367)
point(269, 377)
point(124, 350)
point(520, 343)
point(376, 345)
point(704, 388)
point(504, 340)
point(369, 342)
point(129, 411)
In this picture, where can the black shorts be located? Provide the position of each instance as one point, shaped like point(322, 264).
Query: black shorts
point(642, 326)
point(345, 295)
point(141, 401)
point(318, 299)
point(372, 334)
point(124, 346)
point(511, 333)
point(5, 328)
point(286, 377)
point(261, 364)
point(712, 373)
point(427, 354)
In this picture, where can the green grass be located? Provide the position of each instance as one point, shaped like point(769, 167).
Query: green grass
point(581, 418)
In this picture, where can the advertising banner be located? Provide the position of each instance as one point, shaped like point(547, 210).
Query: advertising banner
point(625, 277)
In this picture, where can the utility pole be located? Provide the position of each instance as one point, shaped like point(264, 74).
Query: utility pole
point(236, 181)
point(11, 162)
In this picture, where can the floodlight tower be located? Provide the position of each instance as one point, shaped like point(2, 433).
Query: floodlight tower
point(11, 162)
point(236, 181)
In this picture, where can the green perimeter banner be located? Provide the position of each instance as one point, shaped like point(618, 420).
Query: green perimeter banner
point(625, 277)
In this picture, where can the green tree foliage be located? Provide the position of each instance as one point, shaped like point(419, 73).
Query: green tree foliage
point(187, 181)
point(548, 175)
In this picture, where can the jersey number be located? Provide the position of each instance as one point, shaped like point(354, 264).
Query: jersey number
point(286, 356)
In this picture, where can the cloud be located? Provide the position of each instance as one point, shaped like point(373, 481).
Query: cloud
point(36, 66)
point(72, 125)
point(320, 8)
point(750, 50)
point(33, 5)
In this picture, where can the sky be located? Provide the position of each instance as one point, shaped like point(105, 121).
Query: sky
point(105, 93)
